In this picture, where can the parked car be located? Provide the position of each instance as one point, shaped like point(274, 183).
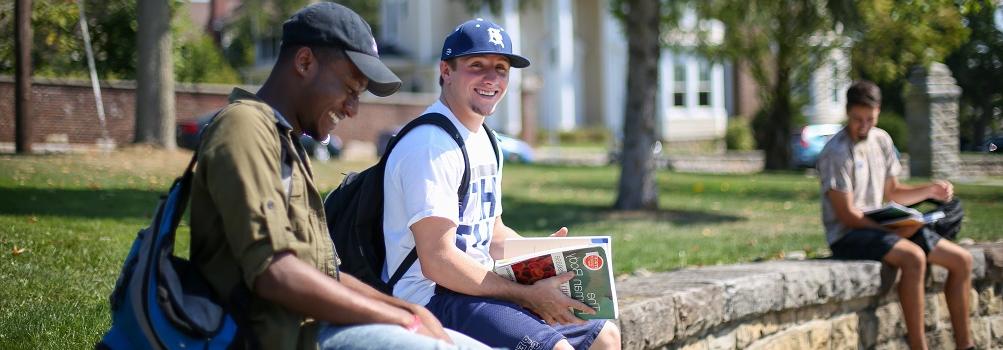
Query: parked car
point(808, 142)
point(513, 149)
point(189, 134)
point(993, 145)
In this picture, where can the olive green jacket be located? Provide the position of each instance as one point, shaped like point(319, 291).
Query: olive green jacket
point(243, 213)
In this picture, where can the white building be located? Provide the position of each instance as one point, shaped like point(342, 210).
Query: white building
point(579, 66)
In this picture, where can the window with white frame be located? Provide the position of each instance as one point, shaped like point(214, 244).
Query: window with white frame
point(703, 83)
point(679, 84)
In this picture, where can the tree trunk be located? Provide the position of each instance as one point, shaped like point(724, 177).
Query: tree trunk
point(154, 75)
point(982, 122)
point(638, 189)
point(776, 144)
point(22, 73)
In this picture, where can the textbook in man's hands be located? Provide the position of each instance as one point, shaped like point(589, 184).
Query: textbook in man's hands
point(545, 257)
point(894, 215)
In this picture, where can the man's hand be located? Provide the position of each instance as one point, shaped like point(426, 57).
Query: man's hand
point(546, 300)
point(430, 325)
point(941, 190)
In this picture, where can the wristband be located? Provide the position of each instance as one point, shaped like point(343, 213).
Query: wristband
point(415, 324)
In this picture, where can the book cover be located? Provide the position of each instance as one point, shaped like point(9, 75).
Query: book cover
point(894, 215)
point(592, 284)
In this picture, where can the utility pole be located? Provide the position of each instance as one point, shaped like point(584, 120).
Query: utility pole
point(22, 74)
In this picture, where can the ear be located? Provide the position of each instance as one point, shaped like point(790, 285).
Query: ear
point(305, 62)
point(444, 71)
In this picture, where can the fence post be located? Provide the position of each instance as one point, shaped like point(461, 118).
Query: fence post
point(932, 114)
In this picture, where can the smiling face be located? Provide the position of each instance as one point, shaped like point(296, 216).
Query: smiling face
point(331, 93)
point(472, 86)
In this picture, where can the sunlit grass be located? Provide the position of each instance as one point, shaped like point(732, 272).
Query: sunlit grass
point(66, 223)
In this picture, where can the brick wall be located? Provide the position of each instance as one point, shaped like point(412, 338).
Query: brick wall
point(66, 107)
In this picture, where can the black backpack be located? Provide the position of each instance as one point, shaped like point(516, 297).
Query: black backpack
point(354, 211)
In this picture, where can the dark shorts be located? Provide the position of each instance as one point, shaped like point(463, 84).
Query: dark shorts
point(503, 324)
point(869, 244)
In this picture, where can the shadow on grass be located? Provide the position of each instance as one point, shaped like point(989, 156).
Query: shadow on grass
point(528, 215)
point(103, 203)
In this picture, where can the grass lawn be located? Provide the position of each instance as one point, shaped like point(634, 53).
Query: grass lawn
point(66, 223)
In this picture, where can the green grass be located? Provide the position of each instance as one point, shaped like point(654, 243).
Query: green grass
point(66, 223)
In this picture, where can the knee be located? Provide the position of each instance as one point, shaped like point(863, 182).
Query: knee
point(965, 262)
point(913, 260)
point(609, 338)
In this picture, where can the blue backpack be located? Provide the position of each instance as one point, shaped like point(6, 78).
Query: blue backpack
point(161, 301)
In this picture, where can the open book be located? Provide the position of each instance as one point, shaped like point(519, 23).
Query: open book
point(894, 215)
point(528, 260)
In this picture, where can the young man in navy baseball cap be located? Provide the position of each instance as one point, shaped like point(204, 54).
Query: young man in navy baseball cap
point(258, 228)
point(456, 250)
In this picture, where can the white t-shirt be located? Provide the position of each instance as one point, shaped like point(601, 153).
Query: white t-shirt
point(422, 176)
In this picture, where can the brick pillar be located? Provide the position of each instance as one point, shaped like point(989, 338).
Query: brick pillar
point(932, 114)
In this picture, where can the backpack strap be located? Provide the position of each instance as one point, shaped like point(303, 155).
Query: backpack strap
point(461, 193)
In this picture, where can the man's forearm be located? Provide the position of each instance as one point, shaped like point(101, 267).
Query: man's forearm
point(305, 290)
point(458, 272)
point(909, 195)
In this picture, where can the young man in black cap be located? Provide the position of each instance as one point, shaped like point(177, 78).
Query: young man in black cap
point(456, 249)
point(257, 219)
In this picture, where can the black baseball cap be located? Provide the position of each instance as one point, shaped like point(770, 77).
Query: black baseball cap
point(481, 37)
point(333, 25)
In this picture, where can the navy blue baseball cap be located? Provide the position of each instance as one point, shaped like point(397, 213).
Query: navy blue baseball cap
point(481, 37)
point(333, 25)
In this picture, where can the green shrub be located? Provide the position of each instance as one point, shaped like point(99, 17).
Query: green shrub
point(738, 136)
point(896, 126)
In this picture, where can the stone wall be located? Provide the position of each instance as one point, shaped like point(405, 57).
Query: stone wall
point(64, 110)
point(816, 304)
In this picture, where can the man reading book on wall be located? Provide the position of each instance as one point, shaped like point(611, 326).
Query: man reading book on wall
point(858, 169)
point(456, 249)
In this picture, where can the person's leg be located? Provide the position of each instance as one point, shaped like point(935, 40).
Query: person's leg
point(958, 262)
point(383, 336)
point(911, 260)
point(503, 324)
point(608, 339)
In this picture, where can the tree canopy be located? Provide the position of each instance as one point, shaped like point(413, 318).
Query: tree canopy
point(58, 47)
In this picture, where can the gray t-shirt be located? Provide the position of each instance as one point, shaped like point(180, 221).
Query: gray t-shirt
point(859, 168)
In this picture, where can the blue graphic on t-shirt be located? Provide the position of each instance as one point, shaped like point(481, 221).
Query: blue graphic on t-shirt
point(482, 197)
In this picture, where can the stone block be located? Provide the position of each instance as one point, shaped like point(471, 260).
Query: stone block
point(811, 335)
point(820, 335)
point(936, 275)
point(795, 338)
point(893, 344)
point(854, 279)
point(695, 345)
point(996, 328)
point(994, 261)
point(809, 284)
point(845, 334)
point(747, 333)
point(748, 289)
point(989, 303)
point(978, 262)
point(698, 308)
point(981, 333)
point(723, 340)
point(890, 324)
point(940, 338)
point(647, 324)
